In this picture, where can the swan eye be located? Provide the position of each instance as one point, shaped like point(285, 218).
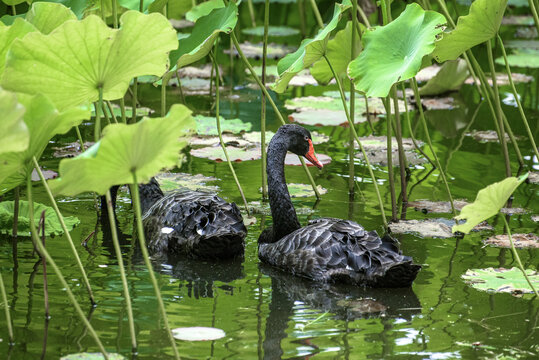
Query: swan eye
point(306, 138)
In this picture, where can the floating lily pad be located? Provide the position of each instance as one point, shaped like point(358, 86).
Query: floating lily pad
point(271, 71)
point(427, 73)
point(427, 206)
point(323, 117)
point(526, 32)
point(228, 139)
point(488, 203)
point(502, 79)
point(204, 72)
point(235, 154)
point(175, 181)
point(525, 58)
point(52, 225)
point(92, 356)
point(521, 241)
point(533, 177)
point(70, 149)
point(193, 86)
point(304, 190)
point(293, 160)
point(47, 174)
point(250, 50)
point(379, 157)
point(522, 44)
point(198, 333)
point(439, 103)
point(141, 111)
point(206, 125)
point(330, 103)
point(535, 218)
point(254, 137)
point(486, 135)
point(380, 143)
point(432, 228)
point(256, 207)
point(273, 31)
point(526, 20)
point(362, 306)
point(501, 280)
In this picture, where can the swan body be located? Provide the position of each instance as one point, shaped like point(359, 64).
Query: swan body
point(327, 249)
point(193, 223)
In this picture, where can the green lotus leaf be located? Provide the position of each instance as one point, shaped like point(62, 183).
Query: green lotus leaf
point(273, 31)
point(526, 58)
point(501, 280)
point(206, 125)
point(275, 1)
point(135, 4)
point(234, 153)
point(324, 117)
point(304, 190)
point(77, 6)
point(394, 52)
point(14, 132)
point(73, 62)
point(488, 203)
point(92, 356)
point(8, 34)
point(339, 56)
point(310, 50)
point(202, 38)
point(451, 76)
point(52, 224)
point(13, 2)
point(144, 147)
point(176, 181)
point(203, 9)
point(48, 16)
point(480, 25)
point(43, 122)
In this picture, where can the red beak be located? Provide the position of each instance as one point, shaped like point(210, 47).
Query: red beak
point(312, 157)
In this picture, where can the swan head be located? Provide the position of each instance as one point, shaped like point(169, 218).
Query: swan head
point(299, 142)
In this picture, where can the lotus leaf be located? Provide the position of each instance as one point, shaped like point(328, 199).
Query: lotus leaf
point(212, 140)
point(339, 56)
point(135, 4)
point(273, 31)
point(431, 228)
point(92, 356)
point(274, 51)
point(526, 20)
point(48, 16)
point(480, 25)
point(73, 62)
point(202, 38)
point(198, 333)
point(275, 1)
point(175, 181)
point(43, 122)
point(8, 34)
point(310, 50)
point(13, 2)
point(144, 148)
point(14, 132)
point(52, 225)
point(451, 76)
point(533, 178)
point(203, 9)
point(254, 137)
point(304, 190)
point(488, 203)
point(323, 117)
point(379, 157)
point(77, 6)
point(394, 52)
point(520, 241)
point(501, 280)
point(206, 125)
point(335, 103)
point(525, 58)
point(522, 44)
point(234, 153)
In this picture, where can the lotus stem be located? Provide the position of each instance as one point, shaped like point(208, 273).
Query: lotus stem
point(45, 282)
point(111, 111)
point(122, 109)
point(263, 105)
point(354, 133)
point(517, 99)
point(13, 10)
point(144, 250)
point(534, 13)
point(104, 110)
point(115, 13)
point(97, 108)
point(164, 82)
point(301, 10)
point(402, 159)
point(103, 17)
point(6, 309)
point(273, 105)
point(498, 110)
point(182, 97)
point(425, 128)
point(118, 251)
point(317, 14)
point(389, 147)
point(517, 257)
point(221, 141)
point(15, 213)
point(411, 131)
point(141, 6)
point(363, 16)
point(43, 251)
point(66, 231)
point(134, 102)
point(251, 12)
point(351, 150)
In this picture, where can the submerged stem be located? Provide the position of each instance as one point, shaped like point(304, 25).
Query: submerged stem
point(57, 270)
point(6, 309)
point(146, 257)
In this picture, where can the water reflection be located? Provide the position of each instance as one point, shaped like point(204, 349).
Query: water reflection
point(291, 295)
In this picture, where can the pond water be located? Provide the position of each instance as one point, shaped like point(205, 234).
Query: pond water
point(271, 315)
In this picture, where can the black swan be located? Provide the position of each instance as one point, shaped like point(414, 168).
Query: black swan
point(192, 223)
point(327, 249)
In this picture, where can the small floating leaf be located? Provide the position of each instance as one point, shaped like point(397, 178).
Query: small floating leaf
point(525, 58)
point(273, 31)
point(206, 125)
point(175, 181)
point(235, 154)
point(250, 50)
point(228, 139)
point(198, 333)
point(501, 280)
point(70, 149)
point(521, 241)
point(439, 103)
point(254, 137)
point(47, 174)
point(52, 225)
point(488, 203)
point(379, 157)
point(480, 25)
point(92, 356)
point(394, 52)
point(533, 178)
point(432, 228)
point(322, 117)
point(304, 190)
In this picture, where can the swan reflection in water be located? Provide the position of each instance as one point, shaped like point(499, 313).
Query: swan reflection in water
point(338, 301)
